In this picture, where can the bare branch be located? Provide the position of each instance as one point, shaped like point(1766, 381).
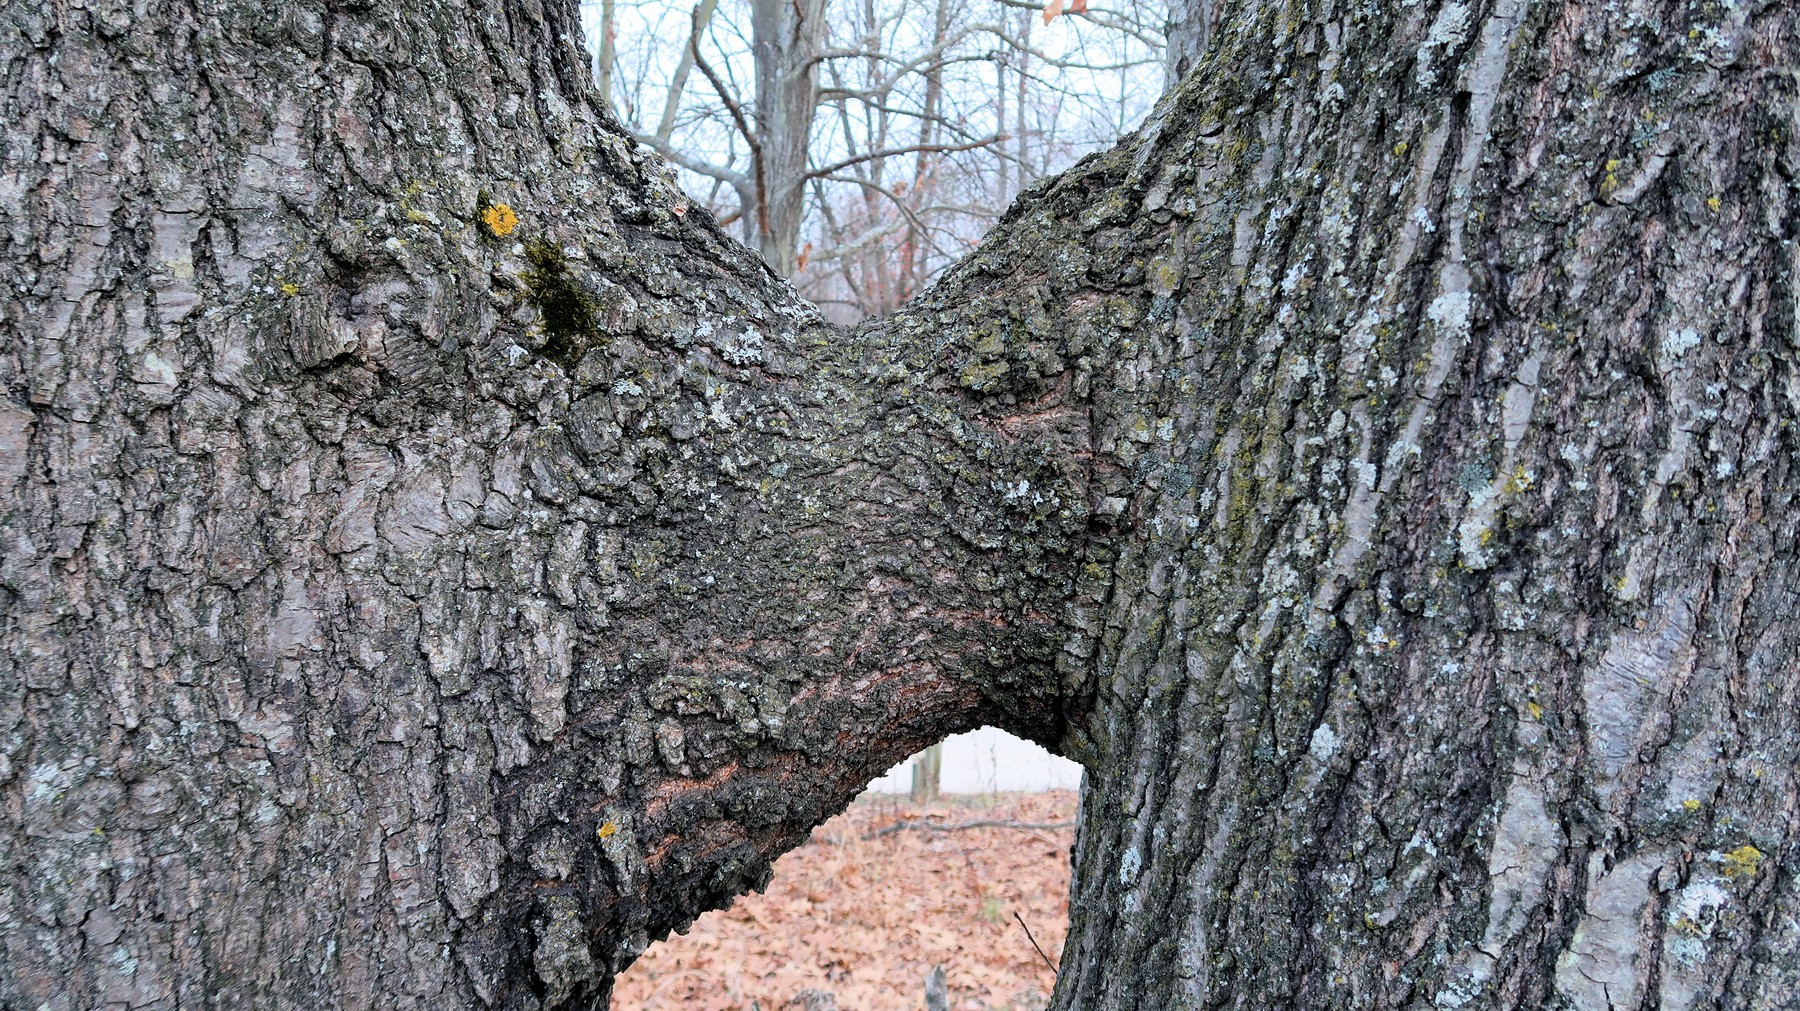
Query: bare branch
point(737, 116)
point(736, 180)
point(701, 18)
point(958, 826)
point(838, 166)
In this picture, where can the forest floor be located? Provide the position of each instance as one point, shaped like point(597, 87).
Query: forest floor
point(857, 916)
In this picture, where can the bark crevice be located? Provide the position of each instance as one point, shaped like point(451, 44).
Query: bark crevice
point(1378, 472)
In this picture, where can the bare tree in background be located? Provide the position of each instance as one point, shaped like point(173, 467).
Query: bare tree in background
point(787, 37)
point(772, 117)
point(435, 561)
point(863, 145)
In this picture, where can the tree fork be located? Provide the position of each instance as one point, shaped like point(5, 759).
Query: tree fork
point(1378, 471)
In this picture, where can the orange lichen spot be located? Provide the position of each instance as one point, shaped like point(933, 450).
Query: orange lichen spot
point(1743, 862)
point(608, 830)
point(499, 219)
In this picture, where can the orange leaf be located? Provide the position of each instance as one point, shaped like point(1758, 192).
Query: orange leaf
point(1052, 9)
point(1077, 6)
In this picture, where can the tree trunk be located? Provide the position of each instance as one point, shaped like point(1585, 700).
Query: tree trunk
point(787, 37)
point(928, 774)
point(437, 562)
point(684, 65)
point(915, 252)
point(1451, 658)
point(1185, 35)
point(604, 59)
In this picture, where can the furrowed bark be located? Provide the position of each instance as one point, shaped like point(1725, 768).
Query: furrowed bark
point(399, 611)
point(1379, 472)
point(1451, 658)
point(787, 37)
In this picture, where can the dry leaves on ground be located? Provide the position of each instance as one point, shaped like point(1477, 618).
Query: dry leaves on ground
point(853, 920)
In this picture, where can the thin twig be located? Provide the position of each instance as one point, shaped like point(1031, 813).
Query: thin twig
point(910, 149)
point(737, 116)
point(931, 826)
point(1033, 941)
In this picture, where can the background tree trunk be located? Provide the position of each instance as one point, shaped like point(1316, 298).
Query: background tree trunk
point(1379, 472)
point(928, 774)
point(684, 64)
point(604, 58)
point(787, 37)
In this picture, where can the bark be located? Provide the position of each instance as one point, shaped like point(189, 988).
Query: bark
point(1379, 472)
point(398, 611)
point(1452, 660)
point(786, 39)
point(1185, 35)
point(604, 58)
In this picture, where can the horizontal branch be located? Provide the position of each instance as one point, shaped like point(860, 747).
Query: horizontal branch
point(839, 166)
point(736, 180)
point(958, 826)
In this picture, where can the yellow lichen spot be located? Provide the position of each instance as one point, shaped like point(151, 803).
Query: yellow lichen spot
point(1536, 711)
point(288, 288)
point(499, 219)
point(1712, 204)
point(1611, 182)
point(1400, 149)
point(608, 829)
point(1690, 805)
point(1743, 862)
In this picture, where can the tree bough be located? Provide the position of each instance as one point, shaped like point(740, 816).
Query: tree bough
point(1378, 471)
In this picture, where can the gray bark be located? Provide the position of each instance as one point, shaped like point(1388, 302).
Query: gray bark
point(786, 39)
point(1452, 662)
point(1379, 472)
point(1185, 34)
point(401, 613)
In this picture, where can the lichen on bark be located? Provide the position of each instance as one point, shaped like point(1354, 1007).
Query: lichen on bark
point(1355, 470)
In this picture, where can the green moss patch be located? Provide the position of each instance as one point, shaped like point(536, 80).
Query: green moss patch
point(571, 316)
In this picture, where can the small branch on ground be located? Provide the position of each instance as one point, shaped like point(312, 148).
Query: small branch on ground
point(932, 826)
point(1033, 941)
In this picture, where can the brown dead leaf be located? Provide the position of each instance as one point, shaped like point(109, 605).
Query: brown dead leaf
point(866, 918)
